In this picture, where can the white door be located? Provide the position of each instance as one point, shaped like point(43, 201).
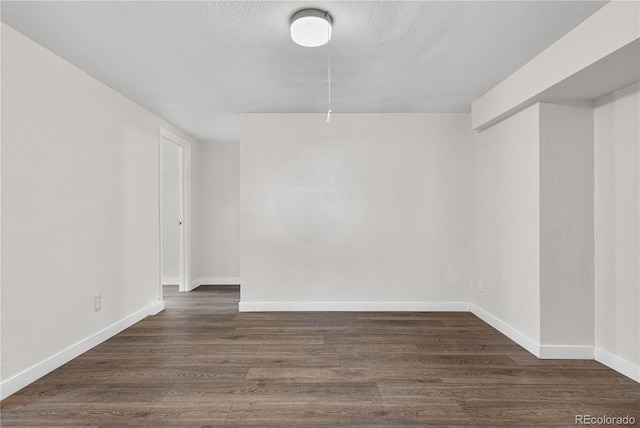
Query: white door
point(172, 214)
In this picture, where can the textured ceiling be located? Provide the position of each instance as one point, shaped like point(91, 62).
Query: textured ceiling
point(199, 64)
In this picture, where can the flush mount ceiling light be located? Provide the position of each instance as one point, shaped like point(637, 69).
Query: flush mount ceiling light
point(311, 27)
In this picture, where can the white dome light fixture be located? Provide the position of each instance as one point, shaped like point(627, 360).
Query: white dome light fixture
point(311, 27)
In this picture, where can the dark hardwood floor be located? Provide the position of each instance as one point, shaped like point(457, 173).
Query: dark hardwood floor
point(201, 363)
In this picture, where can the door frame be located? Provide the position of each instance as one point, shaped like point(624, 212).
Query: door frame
point(185, 207)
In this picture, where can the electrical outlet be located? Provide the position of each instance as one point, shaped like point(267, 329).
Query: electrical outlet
point(97, 302)
point(481, 285)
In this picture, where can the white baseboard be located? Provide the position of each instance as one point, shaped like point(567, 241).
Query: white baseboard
point(618, 364)
point(194, 284)
point(545, 352)
point(354, 306)
point(170, 281)
point(155, 308)
point(214, 281)
point(504, 328)
point(566, 352)
point(35, 372)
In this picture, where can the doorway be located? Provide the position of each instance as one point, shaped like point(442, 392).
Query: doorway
point(174, 211)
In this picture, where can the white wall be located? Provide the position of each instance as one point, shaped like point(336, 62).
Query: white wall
point(80, 211)
point(507, 223)
point(368, 212)
point(566, 226)
point(216, 254)
point(533, 203)
point(617, 236)
point(170, 185)
point(569, 73)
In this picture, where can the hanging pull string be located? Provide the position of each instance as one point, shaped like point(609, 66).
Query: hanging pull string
point(329, 65)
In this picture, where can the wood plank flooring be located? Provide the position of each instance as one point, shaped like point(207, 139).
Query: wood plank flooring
point(201, 363)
